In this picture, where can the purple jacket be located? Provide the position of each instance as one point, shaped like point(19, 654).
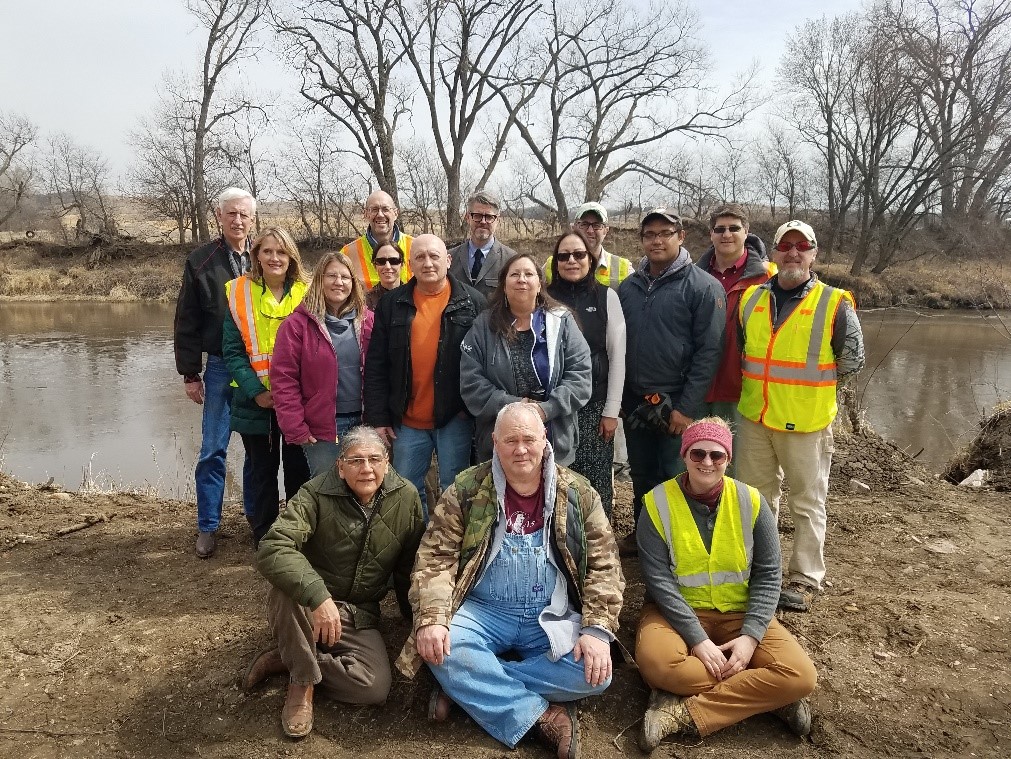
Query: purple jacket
point(303, 376)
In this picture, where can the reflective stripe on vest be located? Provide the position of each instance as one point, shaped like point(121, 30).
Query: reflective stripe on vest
point(718, 578)
point(616, 272)
point(259, 329)
point(360, 252)
point(789, 373)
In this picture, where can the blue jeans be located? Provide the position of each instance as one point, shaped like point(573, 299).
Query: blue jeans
point(323, 454)
point(215, 432)
point(412, 453)
point(505, 697)
point(653, 457)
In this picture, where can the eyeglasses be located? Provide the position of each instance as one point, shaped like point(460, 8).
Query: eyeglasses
point(380, 209)
point(387, 261)
point(596, 226)
point(803, 246)
point(360, 461)
point(579, 255)
point(336, 278)
point(733, 229)
point(698, 456)
point(488, 218)
point(665, 235)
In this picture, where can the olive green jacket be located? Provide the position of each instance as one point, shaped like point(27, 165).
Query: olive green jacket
point(325, 545)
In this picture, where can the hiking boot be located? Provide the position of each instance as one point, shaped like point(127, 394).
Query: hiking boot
point(797, 596)
point(439, 705)
point(558, 729)
point(206, 543)
point(266, 663)
point(628, 546)
point(666, 715)
point(797, 717)
point(296, 716)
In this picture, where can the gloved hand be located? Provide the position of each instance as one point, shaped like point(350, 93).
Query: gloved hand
point(652, 414)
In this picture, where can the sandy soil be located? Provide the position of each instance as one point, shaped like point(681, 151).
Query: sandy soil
point(117, 641)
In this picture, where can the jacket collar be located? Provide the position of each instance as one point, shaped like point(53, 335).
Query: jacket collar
point(678, 267)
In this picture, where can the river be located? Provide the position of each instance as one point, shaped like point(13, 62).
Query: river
point(89, 394)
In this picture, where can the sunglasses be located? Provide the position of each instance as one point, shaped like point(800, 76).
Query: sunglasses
point(803, 246)
point(698, 456)
point(733, 229)
point(579, 255)
point(387, 262)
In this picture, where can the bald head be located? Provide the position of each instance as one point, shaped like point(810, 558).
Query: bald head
point(430, 263)
point(381, 213)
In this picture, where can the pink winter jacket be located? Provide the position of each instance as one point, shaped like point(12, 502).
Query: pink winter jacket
point(303, 376)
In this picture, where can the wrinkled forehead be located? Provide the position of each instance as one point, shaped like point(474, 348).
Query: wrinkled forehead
point(364, 450)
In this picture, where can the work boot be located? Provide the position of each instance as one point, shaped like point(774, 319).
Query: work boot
point(558, 729)
point(797, 596)
point(266, 663)
point(206, 543)
point(797, 717)
point(628, 546)
point(666, 715)
point(439, 705)
point(296, 716)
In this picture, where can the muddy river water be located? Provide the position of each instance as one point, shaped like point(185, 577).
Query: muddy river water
point(89, 394)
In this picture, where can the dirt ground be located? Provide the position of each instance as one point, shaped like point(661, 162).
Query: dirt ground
point(117, 641)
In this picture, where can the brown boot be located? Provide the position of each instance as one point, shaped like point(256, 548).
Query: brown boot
point(266, 663)
point(296, 716)
point(439, 705)
point(558, 729)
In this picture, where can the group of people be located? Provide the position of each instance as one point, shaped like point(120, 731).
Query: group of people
point(520, 378)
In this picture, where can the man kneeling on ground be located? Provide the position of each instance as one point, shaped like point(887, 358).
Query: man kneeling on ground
point(708, 642)
point(329, 556)
point(518, 558)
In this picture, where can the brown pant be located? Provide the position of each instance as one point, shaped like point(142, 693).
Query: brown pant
point(356, 670)
point(780, 671)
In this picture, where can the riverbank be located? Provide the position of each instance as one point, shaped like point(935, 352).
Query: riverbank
point(128, 271)
point(118, 642)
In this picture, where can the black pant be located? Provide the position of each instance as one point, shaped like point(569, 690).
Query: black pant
point(267, 452)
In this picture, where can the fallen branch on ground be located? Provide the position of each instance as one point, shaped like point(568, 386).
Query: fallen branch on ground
point(90, 520)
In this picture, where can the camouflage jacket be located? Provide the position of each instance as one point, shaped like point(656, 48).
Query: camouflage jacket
point(456, 546)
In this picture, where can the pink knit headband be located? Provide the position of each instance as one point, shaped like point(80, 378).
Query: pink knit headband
point(706, 431)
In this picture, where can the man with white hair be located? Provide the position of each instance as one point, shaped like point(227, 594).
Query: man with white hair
point(200, 313)
point(381, 215)
point(518, 557)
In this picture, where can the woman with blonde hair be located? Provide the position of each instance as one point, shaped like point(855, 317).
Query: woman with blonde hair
point(316, 371)
point(258, 304)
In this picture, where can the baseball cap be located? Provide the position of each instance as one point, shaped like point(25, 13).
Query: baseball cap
point(591, 208)
point(664, 214)
point(800, 226)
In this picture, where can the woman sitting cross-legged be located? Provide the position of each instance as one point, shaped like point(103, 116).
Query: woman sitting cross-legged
point(708, 643)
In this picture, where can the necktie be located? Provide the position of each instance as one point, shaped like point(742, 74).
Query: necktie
point(476, 268)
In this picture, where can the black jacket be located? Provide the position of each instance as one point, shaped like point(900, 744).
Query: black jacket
point(202, 305)
point(388, 364)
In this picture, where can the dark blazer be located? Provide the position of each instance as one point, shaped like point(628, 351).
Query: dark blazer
point(388, 365)
point(487, 279)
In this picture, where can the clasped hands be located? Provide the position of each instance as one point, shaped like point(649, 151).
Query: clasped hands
point(724, 661)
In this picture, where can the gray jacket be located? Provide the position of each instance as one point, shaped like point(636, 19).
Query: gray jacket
point(487, 383)
point(674, 326)
point(491, 267)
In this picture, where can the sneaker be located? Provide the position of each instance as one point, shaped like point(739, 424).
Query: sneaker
point(797, 596)
point(206, 543)
point(558, 729)
point(666, 715)
point(628, 546)
point(797, 717)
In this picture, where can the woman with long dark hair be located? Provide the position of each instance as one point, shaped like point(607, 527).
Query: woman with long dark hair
point(526, 347)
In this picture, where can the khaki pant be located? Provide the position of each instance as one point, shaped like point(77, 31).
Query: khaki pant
point(805, 458)
point(780, 671)
point(356, 670)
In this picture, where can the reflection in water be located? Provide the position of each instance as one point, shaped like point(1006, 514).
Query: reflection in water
point(90, 391)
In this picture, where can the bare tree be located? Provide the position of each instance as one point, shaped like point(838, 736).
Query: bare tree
point(17, 135)
point(230, 28)
point(783, 171)
point(349, 58)
point(78, 178)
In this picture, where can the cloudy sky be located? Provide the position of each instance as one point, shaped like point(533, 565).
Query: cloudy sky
point(92, 67)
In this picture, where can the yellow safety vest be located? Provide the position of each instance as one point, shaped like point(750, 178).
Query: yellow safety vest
point(609, 276)
point(718, 578)
point(258, 316)
point(789, 381)
point(360, 253)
